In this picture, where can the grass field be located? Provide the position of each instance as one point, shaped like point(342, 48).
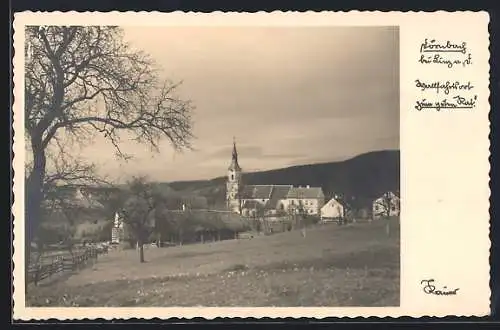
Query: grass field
point(354, 265)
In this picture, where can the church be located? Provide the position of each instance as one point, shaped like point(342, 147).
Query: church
point(251, 200)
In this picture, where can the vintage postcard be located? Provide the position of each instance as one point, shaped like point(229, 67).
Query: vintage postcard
point(317, 164)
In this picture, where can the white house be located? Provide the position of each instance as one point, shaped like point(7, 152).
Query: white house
point(309, 199)
point(332, 210)
point(388, 204)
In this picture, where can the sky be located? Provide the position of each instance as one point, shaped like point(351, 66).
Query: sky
point(289, 96)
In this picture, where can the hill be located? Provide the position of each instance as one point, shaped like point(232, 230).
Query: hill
point(366, 176)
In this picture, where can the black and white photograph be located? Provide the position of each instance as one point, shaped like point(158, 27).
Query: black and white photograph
point(213, 166)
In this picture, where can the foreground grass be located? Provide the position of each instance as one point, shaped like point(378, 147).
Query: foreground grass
point(332, 266)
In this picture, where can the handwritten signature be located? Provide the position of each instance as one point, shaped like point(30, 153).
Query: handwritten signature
point(430, 288)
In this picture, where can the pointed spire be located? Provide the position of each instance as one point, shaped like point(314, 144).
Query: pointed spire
point(234, 160)
point(235, 153)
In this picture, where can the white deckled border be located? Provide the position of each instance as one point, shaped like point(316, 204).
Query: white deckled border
point(443, 155)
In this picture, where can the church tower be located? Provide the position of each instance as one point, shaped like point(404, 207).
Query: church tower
point(233, 186)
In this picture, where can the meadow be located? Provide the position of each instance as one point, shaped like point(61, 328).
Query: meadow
point(352, 265)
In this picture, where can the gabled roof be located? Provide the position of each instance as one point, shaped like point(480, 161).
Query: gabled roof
point(301, 192)
point(278, 193)
point(334, 200)
point(257, 192)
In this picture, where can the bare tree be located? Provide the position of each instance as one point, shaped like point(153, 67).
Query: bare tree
point(138, 211)
point(297, 214)
point(84, 81)
point(387, 206)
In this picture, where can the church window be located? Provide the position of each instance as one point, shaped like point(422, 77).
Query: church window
point(232, 177)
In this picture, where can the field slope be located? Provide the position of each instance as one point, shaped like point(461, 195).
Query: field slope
point(354, 265)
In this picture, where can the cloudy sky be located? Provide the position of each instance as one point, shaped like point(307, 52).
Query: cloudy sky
point(289, 95)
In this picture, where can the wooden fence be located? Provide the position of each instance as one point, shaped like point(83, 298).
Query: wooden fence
point(58, 264)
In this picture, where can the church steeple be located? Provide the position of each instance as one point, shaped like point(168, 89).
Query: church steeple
point(234, 161)
point(233, 184)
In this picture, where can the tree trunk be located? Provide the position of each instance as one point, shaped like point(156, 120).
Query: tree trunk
point(141, 252)
point(33, 199)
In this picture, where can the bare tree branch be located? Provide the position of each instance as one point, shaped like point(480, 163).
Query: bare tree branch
point(86, 76)
point(86, 80)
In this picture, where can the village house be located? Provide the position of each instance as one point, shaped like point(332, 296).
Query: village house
point(253, 200)
point(333, 210)
point(387, 205)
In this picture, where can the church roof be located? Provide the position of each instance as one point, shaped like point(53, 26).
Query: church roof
point(278, 193)
point(307, 192)
point(257, 192)
point(273, 193)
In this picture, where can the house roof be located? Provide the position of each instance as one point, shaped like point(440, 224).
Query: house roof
point(333, 201)
point(257, 192)
point(301, 192)
point(278, 193)
point(272, 193)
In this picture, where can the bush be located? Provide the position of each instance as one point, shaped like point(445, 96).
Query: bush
point(310, 220)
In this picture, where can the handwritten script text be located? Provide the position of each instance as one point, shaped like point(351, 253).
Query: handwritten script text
point(430, 288)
